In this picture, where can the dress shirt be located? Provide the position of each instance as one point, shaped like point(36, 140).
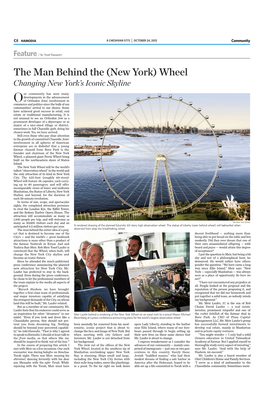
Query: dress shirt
point(89, 273)
point(135, 259)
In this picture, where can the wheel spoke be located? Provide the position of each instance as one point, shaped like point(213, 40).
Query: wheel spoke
point(159, 162)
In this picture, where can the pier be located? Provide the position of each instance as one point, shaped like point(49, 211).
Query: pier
point(94, 150)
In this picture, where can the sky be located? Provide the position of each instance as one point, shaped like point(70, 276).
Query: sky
point(225, 110)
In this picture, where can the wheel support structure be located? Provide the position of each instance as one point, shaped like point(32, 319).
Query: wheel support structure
point(159, 158)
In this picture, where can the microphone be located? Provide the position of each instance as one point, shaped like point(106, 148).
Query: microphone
point(78, 285)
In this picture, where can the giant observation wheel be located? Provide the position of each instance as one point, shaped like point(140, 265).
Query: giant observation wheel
point(166, 156)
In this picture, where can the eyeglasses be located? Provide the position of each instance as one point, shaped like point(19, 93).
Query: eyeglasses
point(94, 256)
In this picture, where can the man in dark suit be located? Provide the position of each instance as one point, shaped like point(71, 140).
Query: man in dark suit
point(121, 278)
point(91, 275)
point(83, 250)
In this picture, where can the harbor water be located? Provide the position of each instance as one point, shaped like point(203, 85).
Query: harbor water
point(91, 194)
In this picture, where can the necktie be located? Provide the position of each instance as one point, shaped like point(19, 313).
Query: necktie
point(91, 279)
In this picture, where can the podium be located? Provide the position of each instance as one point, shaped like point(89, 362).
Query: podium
point(95, 299)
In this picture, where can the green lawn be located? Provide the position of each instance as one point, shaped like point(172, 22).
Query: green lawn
point(191, 216)
point(187, 216)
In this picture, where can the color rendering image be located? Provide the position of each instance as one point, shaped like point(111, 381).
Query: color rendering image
point(157, 157)
point(160, 284)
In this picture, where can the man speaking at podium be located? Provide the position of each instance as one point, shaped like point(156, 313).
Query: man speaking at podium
point(91, 275)
point(83, 250)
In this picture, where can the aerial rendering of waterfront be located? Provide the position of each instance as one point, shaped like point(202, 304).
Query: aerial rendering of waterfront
point(157, 156)
point(160, 285)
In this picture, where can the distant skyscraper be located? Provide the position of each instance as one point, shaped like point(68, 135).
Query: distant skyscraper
point(176, 278)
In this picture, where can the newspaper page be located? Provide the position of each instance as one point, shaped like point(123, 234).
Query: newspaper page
point(132, 152)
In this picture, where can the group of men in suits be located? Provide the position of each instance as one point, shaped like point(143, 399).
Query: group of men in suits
point(93, 272)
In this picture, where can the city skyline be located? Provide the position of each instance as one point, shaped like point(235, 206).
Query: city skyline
point(225, 110)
